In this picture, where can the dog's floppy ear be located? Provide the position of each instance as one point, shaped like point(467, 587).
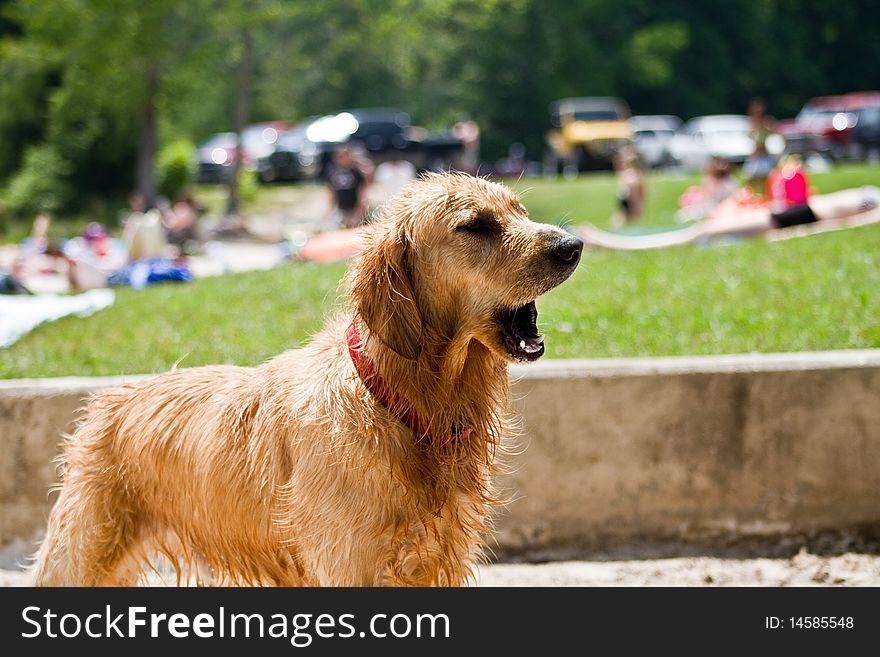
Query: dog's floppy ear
point(384, 296)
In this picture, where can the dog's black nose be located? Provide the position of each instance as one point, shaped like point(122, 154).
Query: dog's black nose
point(568, 250)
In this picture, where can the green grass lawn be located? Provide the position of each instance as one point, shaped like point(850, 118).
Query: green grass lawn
point(812, 293)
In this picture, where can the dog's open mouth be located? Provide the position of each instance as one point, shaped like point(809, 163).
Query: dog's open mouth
point(519, 332)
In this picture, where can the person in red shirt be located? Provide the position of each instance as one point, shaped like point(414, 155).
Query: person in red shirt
point(787, 185)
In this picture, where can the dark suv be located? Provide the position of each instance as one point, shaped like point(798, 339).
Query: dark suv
point(380, 129)
point(295, 157)
point(304, 152)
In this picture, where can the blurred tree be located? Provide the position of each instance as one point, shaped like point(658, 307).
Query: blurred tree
point(238, 25)
point(112, 58)
point(26, 82)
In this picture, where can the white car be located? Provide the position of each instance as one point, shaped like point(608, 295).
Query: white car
point(651, 137)
point(724, 136)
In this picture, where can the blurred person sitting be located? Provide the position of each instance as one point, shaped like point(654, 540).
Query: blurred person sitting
point(181, 223)
point(38, 241)
point(743, 214)
point(347, 184)
point(137, 205)
point(630, 187)
point(83, 261)
point(92, 257)
point(37, 255)
point(718, 182)
point(142, 229)
point(699, 202)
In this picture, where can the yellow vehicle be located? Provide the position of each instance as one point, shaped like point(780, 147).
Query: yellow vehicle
point(586, 133)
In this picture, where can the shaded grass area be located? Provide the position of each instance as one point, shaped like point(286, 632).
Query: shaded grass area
point(812, 293)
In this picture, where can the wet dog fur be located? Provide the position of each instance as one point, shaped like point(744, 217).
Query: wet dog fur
point(292, 472)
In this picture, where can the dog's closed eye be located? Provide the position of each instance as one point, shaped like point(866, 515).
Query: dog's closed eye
point(482, 223)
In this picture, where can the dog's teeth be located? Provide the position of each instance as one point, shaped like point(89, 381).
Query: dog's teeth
point(539, 339)
point(522, 344)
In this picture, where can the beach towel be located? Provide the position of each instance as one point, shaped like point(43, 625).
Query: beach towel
point(21, 314)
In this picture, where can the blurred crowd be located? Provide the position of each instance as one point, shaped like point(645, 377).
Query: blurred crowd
point(365, 157)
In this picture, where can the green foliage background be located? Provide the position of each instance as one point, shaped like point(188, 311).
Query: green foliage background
point(72, 72)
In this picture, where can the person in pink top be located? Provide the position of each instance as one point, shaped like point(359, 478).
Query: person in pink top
point(787, 185)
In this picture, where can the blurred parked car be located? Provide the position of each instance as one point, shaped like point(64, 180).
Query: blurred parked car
point(304, 152)
point(217, 154)
point(724, 136)
point(295, 157)
point(651, 137)
point(867, 132)
point(826, 125)
point(215, 157)
point(586, 133)
point(379, 130)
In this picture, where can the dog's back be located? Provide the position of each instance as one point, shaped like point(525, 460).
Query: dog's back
point(247, 475)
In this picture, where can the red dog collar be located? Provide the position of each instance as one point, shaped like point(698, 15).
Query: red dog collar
point(380, 389)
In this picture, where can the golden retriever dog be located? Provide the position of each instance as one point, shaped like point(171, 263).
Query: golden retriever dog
point(365, 458)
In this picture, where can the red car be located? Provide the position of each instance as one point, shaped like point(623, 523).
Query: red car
point(825, 124)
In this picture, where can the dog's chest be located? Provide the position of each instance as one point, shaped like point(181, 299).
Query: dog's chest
point(367, 523)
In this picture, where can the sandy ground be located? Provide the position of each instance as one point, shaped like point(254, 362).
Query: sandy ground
point(803, 569)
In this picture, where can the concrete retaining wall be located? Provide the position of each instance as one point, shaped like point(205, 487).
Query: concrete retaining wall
point(685, 449)
point(33, 415)
point(696, 449)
